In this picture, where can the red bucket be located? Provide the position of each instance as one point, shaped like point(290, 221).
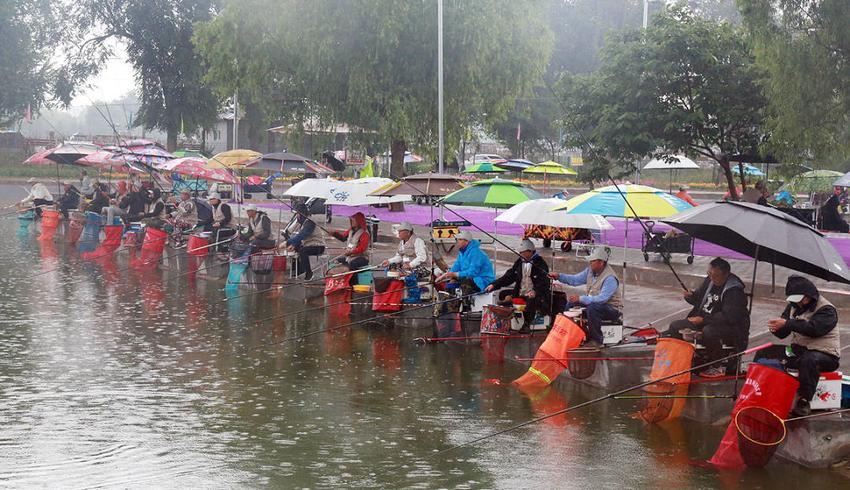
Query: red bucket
point(49, 219)
point(198, 246)
point(279, 263)
point(154, 240)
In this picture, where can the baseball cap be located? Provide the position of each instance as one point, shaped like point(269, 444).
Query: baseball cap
point(214, 195)
point(599, 253)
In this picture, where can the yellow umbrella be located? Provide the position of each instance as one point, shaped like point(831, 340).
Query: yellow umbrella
point(232, 159)
point(548, 168)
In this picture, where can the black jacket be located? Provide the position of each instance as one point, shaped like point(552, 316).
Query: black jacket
point(539, 278)
point(732, 309)
point(98, 203)
point(822, 321)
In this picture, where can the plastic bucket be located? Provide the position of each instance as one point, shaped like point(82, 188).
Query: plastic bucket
point(154, 240)
point(49, 218)
point(279, 263)
point(198, 246)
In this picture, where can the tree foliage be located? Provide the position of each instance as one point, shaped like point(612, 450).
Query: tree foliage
point(158, 35)
point(372, 64)
point(804, 46)
point(684, 85)
point(32, 74)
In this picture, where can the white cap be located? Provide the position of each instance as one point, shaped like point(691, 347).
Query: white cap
point(463, 235)
point(795, 298)
point(250, 207)
point(32, 180)
point(404, 225)
point(214, 195)
point(600, 253)
point(526, 246)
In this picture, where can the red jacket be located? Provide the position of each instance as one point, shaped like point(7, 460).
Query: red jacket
point(363, 242)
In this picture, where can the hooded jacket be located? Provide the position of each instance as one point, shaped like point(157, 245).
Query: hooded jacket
point(359, 242)
point(539, 278)
point(732, 309)
point(474, 264)
point(814, 326)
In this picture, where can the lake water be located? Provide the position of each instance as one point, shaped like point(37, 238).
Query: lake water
point(116, 377)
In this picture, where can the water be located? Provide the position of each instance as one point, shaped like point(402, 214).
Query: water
point(123, 378)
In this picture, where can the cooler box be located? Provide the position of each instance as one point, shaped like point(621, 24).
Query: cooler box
point(479, 301)
point(828, 392)
point(364, 277)
point(612, 334)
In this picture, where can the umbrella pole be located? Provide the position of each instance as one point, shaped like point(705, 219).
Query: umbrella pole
point(625, 247)
point(671, 181)
point(753, 287)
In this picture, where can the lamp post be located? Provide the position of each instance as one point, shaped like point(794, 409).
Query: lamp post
point(440, 86)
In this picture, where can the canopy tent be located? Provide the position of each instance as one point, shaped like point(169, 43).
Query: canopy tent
point(678, 162)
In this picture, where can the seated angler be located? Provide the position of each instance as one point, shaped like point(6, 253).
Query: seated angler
point(184, 217)
point(719, 311)
point(222, 217)
point(812, 322)
point(473, 269)
point(529, 277)
point(356, 239)
point(70, 198)
point(412, 253)
point(304, 238)
point(38, 197)
point(259, 232)
point(603, 293)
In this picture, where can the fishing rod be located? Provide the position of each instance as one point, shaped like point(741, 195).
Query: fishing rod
point(517, 358)
point(431, 340)
point(605, 397)
point(302, 283)
point(360, 322)
point(648, 397)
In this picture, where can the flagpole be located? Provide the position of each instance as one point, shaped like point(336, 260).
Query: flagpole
point(440, 85)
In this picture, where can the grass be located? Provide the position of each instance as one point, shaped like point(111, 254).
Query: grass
point(46, 171)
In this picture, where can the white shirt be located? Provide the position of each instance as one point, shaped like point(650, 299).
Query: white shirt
point(421, 253)
point(38, 191)
point(525, 284)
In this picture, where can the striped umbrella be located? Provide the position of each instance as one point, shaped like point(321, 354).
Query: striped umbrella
point(197, 168)
point(648, 202)
point(492, 193)
point(485, 168)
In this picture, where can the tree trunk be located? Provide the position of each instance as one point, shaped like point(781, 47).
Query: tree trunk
point(730, 180)
point(397, 163)
point(743, 179)
point(171, 140)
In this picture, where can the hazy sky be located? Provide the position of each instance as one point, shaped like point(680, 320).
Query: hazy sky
point(115, 80)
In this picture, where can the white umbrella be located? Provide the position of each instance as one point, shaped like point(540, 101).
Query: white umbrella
point(539, 212)
point(678, 162)
point(318, 188)
point(356, 192)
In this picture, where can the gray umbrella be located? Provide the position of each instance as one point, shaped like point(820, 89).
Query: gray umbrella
point(843, 181)
point(765, 234)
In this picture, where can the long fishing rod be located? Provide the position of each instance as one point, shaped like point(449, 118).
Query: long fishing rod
point(302, 283)
point(366, 320)
point(648, 397)
point(517, 358)
point(605, 397)
point(430, 340)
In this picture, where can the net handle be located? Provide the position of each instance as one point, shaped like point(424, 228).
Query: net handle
point(744, 434)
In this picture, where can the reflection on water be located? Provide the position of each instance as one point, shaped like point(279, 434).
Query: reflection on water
point(119, 376)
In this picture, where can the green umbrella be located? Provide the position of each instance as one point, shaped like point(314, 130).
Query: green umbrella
point(485, 168)
point(188, 153)
point(493, 193)
point(814, 181)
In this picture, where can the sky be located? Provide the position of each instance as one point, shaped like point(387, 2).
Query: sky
point(115, 80)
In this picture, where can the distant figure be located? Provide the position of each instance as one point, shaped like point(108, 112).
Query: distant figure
point(831, 219)
point(70, 199)
point(685, 196)
point(86, 185)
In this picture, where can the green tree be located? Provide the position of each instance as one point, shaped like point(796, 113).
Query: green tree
point(372, 63)
point(31, 75)
point(158, 36)
point(684, 85)
point(804, 47)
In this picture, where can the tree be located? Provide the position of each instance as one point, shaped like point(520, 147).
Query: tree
point(31, 76)
point(804, 47)
point(158, 36)
point(685, 84)
point(371, 64)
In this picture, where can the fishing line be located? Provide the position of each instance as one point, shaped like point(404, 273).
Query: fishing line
point(602, 398)
point(301, 283)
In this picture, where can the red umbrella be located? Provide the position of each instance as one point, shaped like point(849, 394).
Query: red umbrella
point(107, 160)
point(40, 158)
point(196, 167)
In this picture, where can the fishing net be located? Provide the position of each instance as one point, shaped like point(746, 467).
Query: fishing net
point(659, 402)
point(496, 320)
point(760, 432)
point(671, 356)
point(564, 337)
point(262, 263)
point(578, 366)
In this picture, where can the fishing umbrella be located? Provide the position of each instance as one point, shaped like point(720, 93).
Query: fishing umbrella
point(539, 212)
point(485, 168)
point(182, 153)
point(197, 168)
point(765, 234)
point(752, 171)
point(234, 159)
point(290, 163)
point(492, 193)
point(139, 142)
point(40, 158)
point(647, 202)
point(69, 152)
point(814, 181)
point(358, 192)
point(515, 165)
point(108, 160)
point(678, 162)
point(429, 184)
point(312, 188)
point(548, 168)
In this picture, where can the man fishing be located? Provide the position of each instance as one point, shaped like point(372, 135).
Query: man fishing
point(70, 198)
point(603, 293)
point(184, 217)
point(719, 311)
point(473, 269)
point(356, 239)
point(412, 253)
point(303, 237)
point(221, 219)
point(87, 185)
point(38, 197)
point(530, 278)
point(259, 232)
point(812, 322)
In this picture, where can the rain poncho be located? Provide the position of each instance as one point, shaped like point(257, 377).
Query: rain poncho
point(473, 263)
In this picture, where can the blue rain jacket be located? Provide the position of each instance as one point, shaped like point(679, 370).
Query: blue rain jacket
point(472, 262)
